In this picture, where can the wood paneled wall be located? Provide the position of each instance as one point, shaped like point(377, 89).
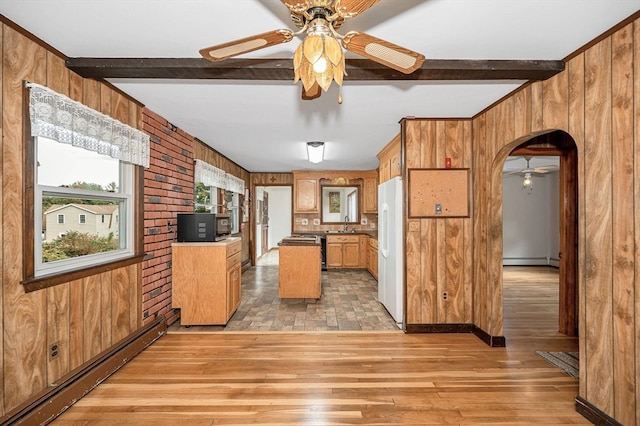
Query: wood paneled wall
point(596, 100)
point(438, 250)
point(86, 316)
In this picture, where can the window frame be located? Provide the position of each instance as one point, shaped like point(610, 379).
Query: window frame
point(135, 254)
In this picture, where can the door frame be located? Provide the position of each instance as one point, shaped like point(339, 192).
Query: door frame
point(561, 144)
point(265, 179)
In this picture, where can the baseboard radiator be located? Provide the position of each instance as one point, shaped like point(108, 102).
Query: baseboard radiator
point(44, 407)
point(531, 261)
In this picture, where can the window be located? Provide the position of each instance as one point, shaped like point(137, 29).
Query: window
point(205, 198)
point(97, 185)
point(233, 207)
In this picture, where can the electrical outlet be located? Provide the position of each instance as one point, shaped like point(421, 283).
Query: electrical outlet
point(305, 221)
point(372, 225)
point(316, 222)
point(53, 350)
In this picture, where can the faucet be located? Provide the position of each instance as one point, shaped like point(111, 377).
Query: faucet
point(346, 223)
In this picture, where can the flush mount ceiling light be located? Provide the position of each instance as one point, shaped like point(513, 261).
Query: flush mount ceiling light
point(319, 59)
point(315, 151)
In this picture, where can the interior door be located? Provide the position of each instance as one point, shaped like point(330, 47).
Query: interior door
point(265, 222)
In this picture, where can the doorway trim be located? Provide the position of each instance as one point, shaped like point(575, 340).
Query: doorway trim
point(561, 144)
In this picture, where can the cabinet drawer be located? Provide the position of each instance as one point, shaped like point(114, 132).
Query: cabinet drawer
point(233, 259)
point(234, 248)
point(343, 238)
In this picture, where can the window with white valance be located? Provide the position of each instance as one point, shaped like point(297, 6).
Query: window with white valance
point(207, 181)
point(64, 120)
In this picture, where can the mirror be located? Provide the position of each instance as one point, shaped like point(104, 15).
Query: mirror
point(340, 202)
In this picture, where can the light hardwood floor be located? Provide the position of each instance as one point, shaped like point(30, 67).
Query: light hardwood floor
point(349, 377)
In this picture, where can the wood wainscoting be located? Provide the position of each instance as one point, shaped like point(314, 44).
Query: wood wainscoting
point(51, 402)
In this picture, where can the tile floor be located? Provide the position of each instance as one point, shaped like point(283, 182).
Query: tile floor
point(348, 302)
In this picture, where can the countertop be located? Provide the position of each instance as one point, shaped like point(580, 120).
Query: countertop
point(372, 234)
point(298, 240)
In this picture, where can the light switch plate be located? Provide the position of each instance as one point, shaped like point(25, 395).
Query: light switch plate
point(363, 221)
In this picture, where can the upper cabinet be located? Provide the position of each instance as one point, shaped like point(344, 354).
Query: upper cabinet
point(390, 160)
point(336, 193)
point(370, 195)
point(305, 195)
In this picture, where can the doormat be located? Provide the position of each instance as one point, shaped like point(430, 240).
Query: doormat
point(566, 361)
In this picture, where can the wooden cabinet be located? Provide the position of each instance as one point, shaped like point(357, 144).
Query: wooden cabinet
point(390, 160)
point(299, 272)
point(364, 250)
point(343, 251)
point(206, 281)
point(370, 200)
point(305, 195)
point(372, 257)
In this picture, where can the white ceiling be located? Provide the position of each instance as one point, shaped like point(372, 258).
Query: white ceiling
point(262, 125)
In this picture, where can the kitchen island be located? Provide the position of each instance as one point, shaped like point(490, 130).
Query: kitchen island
point(299, 272)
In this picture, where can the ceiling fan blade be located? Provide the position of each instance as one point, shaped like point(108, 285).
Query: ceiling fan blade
point(400, 59)
point(314, 92)
point(546, 169)
point(351, 8)
point(244, 45)
point(297, 6)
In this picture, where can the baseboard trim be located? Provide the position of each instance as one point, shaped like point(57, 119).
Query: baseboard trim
point(493, 341)
point(439, 328)
point(593, 414)
point(53, 401)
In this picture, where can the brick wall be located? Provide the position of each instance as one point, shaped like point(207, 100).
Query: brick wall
point(168, 190)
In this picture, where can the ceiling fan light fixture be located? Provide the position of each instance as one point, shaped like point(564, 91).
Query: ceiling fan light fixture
point(319, 58)
point(527, 183)
point(315, 151)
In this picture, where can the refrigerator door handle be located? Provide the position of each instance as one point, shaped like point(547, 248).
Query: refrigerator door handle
point(384, 228)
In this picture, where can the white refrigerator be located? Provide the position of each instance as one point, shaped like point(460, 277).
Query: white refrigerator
point(391, 249)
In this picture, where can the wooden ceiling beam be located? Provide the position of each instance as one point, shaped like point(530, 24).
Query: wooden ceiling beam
point(282, 69)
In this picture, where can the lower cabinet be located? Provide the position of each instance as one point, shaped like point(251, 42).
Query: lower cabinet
point(347, 251)
point(372, 257)
point(343, 251)
point(206, 281)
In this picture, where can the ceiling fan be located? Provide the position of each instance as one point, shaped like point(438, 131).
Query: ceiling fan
point(319, 59)
point(528, 172)
point(540, 170)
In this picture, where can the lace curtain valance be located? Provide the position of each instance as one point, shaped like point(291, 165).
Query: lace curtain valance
point(62, 119)
point(213, 176)
point(209, 175)
point(235, 184)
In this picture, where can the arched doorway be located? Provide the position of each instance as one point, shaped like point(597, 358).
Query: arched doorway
point(560, 144)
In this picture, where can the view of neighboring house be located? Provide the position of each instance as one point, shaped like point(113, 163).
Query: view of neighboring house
point(99, 220)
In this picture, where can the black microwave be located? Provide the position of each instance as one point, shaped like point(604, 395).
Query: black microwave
point(203, 227)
